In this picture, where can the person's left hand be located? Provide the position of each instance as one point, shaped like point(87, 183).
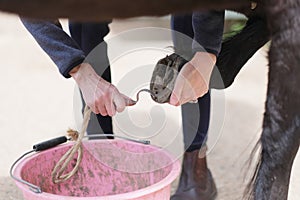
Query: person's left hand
point(193, 80)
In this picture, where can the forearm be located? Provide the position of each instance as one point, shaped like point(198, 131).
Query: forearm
point(60, 47)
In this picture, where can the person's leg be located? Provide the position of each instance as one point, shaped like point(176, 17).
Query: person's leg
point(196, 181)
point(182, 34)
point(75, 31)
point(89, 36)
point(195, 118)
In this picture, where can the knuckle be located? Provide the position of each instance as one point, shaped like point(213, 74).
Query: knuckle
point(94, 110)
point(112, 114)
point(98, 101)
point(103, 113)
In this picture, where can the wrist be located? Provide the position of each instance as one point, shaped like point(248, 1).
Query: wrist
point(204, 63)
point(208, 58)
point(82, 71)
point(74, 70)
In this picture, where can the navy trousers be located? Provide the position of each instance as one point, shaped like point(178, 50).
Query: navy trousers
point(195, 117)
point(88, 36)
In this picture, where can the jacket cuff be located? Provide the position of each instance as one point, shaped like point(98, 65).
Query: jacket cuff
point(65, 71)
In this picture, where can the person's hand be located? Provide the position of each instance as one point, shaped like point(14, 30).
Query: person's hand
point(193, 79)
point(101, 96)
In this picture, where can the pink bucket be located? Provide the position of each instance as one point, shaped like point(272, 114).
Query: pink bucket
point(110, 170)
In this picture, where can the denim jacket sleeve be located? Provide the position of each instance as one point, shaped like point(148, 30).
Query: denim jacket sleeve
point(59, 46)
point(208, 31)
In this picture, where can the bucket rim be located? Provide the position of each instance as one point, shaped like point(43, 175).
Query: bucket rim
point(173, 174)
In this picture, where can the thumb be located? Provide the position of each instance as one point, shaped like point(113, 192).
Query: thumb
point(119, 102)
point(129, 101)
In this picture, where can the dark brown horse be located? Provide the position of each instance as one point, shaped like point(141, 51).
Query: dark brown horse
point(278, 20)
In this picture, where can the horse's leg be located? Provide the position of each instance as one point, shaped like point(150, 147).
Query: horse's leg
point(236, 51)
point(281, 126)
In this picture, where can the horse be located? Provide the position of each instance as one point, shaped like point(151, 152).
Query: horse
point(275, 20)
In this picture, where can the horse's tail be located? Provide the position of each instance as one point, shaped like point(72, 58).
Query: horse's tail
point(237, 50)
point(255, 156)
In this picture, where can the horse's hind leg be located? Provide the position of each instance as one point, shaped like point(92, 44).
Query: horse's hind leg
point(279, 147)
point(280, 139)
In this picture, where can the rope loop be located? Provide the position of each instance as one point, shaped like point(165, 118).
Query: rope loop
point(58, 174)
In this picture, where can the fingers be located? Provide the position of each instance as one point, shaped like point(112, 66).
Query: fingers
point(110, 108)
point(106, 109)
point(189, 86)
point(102, 110)
point(175, 98)
point(118, 102)
point(98, 109)
point(94, 109)
point(101, 96)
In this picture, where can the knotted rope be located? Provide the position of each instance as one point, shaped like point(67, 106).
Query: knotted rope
point(60, 167)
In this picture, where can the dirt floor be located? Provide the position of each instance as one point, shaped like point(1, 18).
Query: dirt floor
point(37, 104)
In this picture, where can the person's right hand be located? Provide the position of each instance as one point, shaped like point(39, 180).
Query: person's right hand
point(193, 79)
point(101, 96)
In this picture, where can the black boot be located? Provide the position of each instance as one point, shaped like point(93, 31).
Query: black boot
point(196, 181)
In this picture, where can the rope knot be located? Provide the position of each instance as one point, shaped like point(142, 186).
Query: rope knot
point(73, 134)
point(59, 173)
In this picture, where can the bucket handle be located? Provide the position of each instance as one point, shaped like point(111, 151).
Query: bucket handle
point(53, 143)
point(33, 188)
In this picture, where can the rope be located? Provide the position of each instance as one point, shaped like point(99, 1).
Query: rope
point(60, 167)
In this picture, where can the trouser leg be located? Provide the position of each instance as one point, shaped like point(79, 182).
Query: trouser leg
point(196, 181)
point(195, 117)
point(88, 36)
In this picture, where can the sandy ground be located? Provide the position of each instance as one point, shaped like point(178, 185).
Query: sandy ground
point(37, 104)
